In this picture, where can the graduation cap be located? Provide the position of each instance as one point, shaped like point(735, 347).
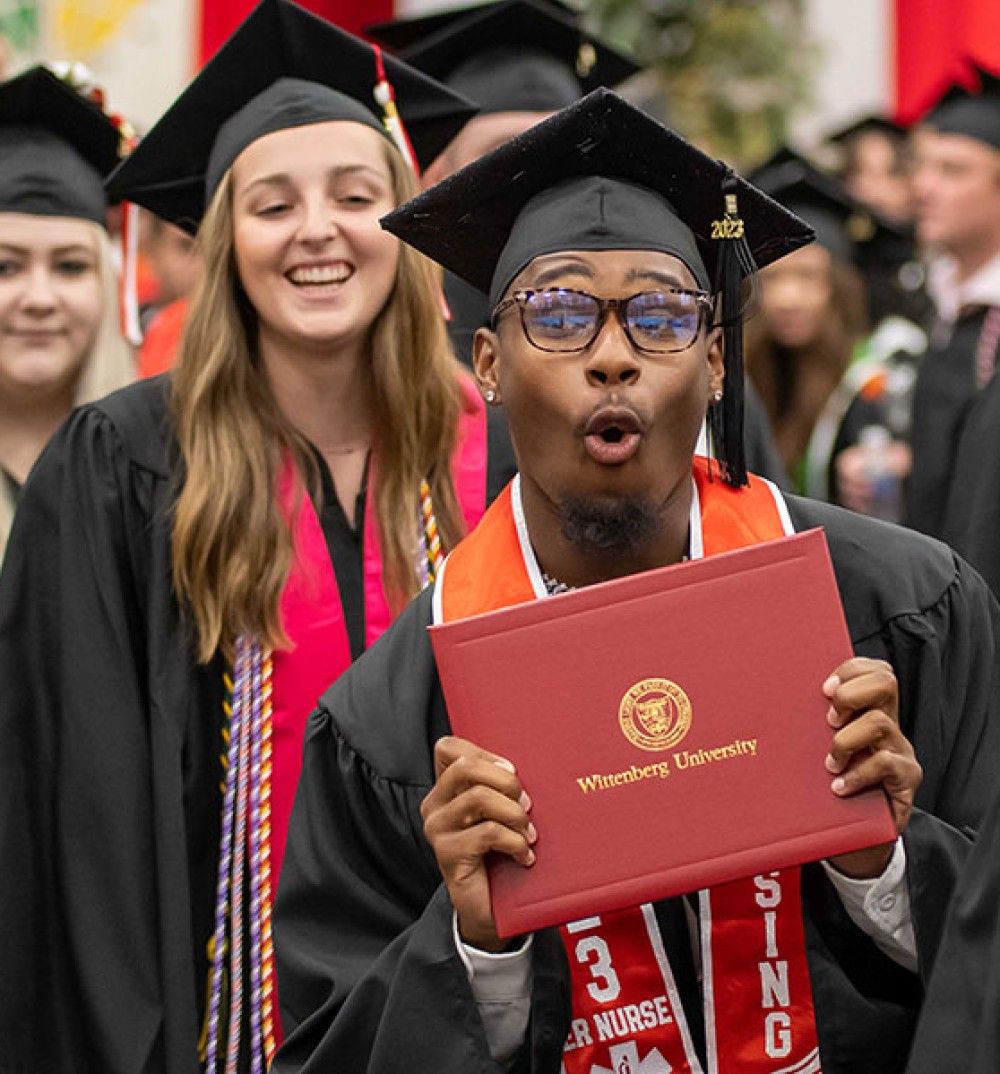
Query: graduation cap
point(55, 149)
point(972, 112)
point(842, 225)
point(871, 123)
point(283, 67)
point(399, 34)
point(511, 56)
point(602, 175)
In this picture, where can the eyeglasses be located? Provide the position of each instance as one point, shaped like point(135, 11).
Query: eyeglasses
point(562, 321)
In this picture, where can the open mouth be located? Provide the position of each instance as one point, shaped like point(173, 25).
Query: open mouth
point(612, 436)
point(320, 275)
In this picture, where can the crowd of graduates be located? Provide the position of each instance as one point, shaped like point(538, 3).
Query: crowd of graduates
point(342, 317)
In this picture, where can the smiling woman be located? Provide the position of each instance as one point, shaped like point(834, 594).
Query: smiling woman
point(59, 339)
point(219, 547)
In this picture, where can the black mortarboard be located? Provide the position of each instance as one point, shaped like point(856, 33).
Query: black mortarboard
point(601, 175)
point(413, 30)
point(283, 67)
point(55, 148)
point(841, 223)
point(867, 124)
point(974, 113)
point(511, 56)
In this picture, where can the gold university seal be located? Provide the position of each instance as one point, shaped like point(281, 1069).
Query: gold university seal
point(655, 714)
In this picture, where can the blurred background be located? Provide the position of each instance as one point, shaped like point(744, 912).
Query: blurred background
point(738, 76)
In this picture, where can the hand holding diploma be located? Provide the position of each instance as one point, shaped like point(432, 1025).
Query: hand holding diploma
point(869, 750)
point(477, 806)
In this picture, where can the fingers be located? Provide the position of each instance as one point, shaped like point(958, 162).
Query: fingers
point(477, 821)
point(476, 807)
point(459, 765)
point(871, 751)
point(459, 851)
point(873, 731)
point(859, 685)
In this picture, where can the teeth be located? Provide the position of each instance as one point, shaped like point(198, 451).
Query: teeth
point(320, 274)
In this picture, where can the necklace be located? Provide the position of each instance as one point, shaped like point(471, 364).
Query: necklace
point(553, 586)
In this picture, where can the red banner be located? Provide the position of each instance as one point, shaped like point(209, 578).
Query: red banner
point(933, 40)
point(218, 18)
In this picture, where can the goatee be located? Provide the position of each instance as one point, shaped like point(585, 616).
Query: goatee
point(615, 526)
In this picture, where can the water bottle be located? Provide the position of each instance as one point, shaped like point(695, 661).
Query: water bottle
point(886, 486)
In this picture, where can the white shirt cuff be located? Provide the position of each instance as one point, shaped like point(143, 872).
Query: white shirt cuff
point(880, 907)
point(501, 987)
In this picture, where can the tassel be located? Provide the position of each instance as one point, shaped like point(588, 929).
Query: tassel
point(734, 263)
point(385, 96)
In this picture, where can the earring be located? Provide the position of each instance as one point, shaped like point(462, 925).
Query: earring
point(717, 396)
point(491, 396)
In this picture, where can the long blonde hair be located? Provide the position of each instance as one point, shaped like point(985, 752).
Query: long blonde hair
point(110, 362)
point(232, 546)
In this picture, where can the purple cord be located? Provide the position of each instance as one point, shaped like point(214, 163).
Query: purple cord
point(225, 857)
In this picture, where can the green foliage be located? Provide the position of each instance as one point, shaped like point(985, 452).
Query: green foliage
point(19, 23)
point(732, 71)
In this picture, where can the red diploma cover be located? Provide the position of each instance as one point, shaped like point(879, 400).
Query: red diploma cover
point(670, 728)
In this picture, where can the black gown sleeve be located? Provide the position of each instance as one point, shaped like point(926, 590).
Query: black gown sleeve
point(959, 1027)
point(78, 958)
point(972, 520)
point(368, 974)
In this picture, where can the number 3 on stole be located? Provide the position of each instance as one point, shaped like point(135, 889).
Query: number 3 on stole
point(593, 953)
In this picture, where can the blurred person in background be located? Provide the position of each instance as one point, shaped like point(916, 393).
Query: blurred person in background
point(841, 394)
point(810, 318)
point(198, 556)
point(60, 342)
point(175, 265)
point(957, 185)
point(173, 259)
point(875, 166)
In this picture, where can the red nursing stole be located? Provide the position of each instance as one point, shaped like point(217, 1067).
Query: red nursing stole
point(313, 615)
point(626, 1015)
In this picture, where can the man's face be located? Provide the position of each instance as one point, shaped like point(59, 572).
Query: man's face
point(610, 424)
point(956, 182)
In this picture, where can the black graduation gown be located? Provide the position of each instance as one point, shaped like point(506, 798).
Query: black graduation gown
point(972, 520)
point(946, 389)
point(109, 764)
point(959, 1028)
point(368, 974)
